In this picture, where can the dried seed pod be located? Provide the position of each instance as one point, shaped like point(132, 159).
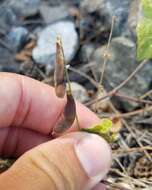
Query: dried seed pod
point(59, 79)
point(60, 74)
point(69, 115)
point(70, 110)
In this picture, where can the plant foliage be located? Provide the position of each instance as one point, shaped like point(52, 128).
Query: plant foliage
point(103, 129)
point(144, 32)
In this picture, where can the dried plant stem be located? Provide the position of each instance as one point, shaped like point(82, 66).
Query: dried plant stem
point(130, 114)
point(114, 185)
point(138, 100)
point(132, 132)
point(40, 72)
point(129, 77)
point(92, 81)
point(77, 120)
point(68, 81)
point(136, 112)
point(112, 92)
point(134, 181)
point(125, 172)
point(146, 94)
point(137, 140)
point(106, 55)
point(130, 150)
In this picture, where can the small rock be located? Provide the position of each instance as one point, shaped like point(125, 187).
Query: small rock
point(25, 8)
point(121, 64)
point(45, 51)
point(7, 63)
point(79, 92)
point(106, 9)
point(17, 36)
point(92, 6)
point(7, 17)
point(134, 14)
point(6, 55)
point(86, 52)
point(53, 14)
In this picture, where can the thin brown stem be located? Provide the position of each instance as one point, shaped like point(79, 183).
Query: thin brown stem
point(112, 92)
point(106, 54)
point(85, 76)
point(133, 99)
point(129, 114)
point(114, 185)
point(136, 112)
point(132, 133)
point(146, 94)
point(130, 150)
point(137, 140)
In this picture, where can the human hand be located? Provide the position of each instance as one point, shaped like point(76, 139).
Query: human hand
point(28, 112)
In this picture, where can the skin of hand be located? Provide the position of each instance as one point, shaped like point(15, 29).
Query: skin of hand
point(28, 112)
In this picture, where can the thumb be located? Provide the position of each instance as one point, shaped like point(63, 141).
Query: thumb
point(72, 162)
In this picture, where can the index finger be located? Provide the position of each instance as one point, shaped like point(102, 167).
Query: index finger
point(31, 104)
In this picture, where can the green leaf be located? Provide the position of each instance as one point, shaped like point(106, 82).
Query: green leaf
point(105, 126)
point(144, 32)
point(144, 39)
point(147, 8)
point(103, 129)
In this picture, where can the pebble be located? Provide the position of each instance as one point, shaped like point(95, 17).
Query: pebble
point(25, 8)
point(106, 9)
point(134, 14)
point(86, 52)
point(91, 6)
point(79, 92)
point(45, 51)
point(53, 14)
point(122, 62)
point(7, 17)
point(17, 37)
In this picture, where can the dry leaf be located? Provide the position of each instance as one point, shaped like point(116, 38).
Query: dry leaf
point(117, 124)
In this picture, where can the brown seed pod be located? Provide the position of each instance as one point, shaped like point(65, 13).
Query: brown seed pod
point(70, 110)
point(59, 79)
point(68, 115)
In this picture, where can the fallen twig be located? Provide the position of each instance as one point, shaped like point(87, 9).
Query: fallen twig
point(112, 92)
point(130, 150)
point(106, 54)
point(138, 100)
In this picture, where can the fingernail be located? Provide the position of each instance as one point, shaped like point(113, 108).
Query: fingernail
point(94, 155)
